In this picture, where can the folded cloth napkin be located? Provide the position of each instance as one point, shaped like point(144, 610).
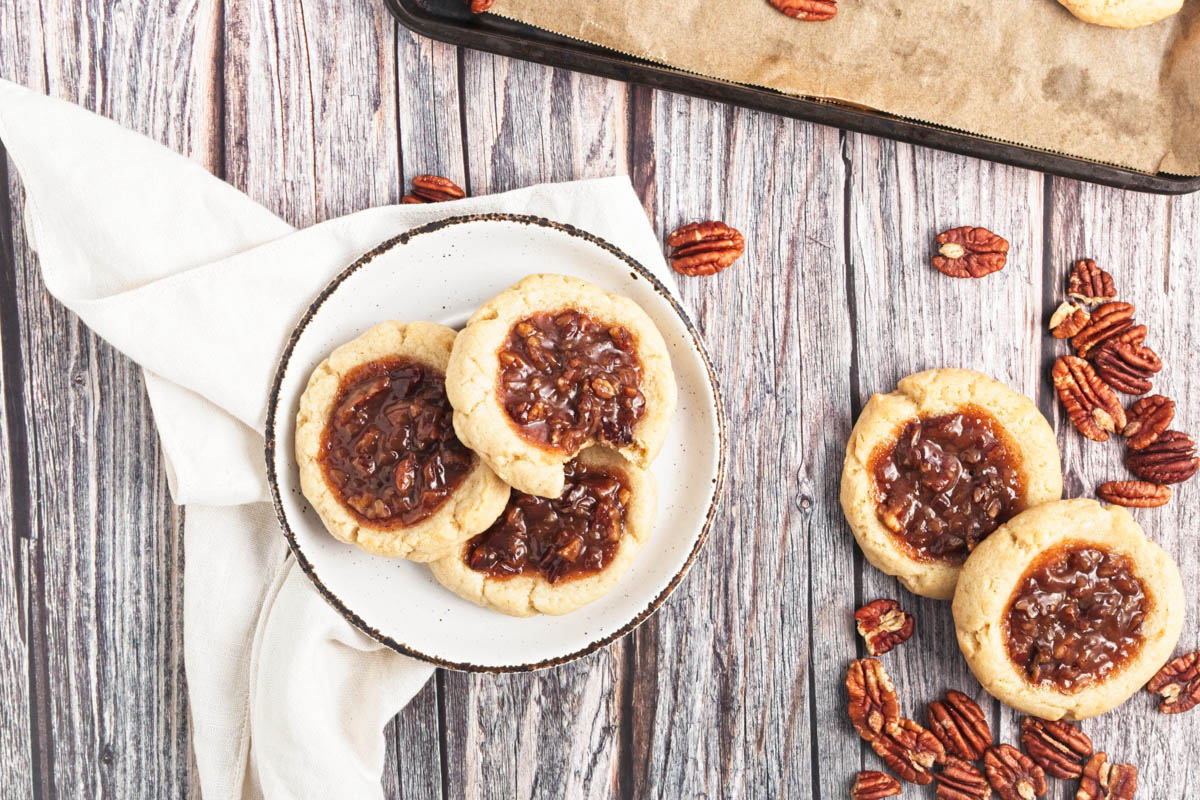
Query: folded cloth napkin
point(201, 286)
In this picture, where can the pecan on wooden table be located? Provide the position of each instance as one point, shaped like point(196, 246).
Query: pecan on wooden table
point(1147, 419)
point(874, 706)
point(705, 248)
point(1090, 403)
point(1013, 774)
point(910, 751)
point(960, 725)
point(433, 189)
point(1178, 682)
point(1134, 494)
point(1089, 284)
point(1056, 746)
point(874, 785)
point(883, 624)
point(1170, 459)
point(970, 252)
point(1103, 780)
point(962, 780)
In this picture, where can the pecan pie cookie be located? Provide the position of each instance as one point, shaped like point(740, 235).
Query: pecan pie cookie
point(551, 366)
point(1068, 609)
point(378, 457)
point(934, 467)
point(553, 556)
point(1122, 13)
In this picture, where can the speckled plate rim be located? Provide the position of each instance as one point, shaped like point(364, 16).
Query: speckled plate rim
point(403, 239)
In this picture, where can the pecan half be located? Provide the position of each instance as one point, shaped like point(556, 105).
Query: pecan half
point(1147, 419)
point(883, 624)
point(1171, 458)
point(1057, 747)
point(910, 751)
point(1134, 494)
point(1091, 405)
point(435, 188)
point(873, 785)
point(1107, 322)
point(961, 780)
point(1126, 367)
point(808, 10)
point(480, 6)
point(959, 724)
point(1104, 781)
point(874, 707)
point(1089, 284)
point(1013, 774)
point(1179, 684)
point(705, 248)
point(1067, 320)
point(969, 252)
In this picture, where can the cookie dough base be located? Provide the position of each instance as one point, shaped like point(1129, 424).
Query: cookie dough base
point(1122, 13)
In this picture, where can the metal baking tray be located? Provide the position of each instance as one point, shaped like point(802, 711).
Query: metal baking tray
point(450, 21)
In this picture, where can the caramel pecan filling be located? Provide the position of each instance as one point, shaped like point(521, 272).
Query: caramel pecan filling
point(565, 379)
point(946, 483)
point(574, 534)
point(1075, 617)
point(389, 451)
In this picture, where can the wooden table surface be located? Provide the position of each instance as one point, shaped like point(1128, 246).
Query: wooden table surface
point(734, 689)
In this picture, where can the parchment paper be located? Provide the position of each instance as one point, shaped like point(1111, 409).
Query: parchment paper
point(1023, 71)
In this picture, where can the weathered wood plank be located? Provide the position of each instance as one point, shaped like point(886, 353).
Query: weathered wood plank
point(726, 689)
point(909, 317)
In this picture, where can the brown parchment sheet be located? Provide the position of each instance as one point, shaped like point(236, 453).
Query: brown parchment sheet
point(1023, 71)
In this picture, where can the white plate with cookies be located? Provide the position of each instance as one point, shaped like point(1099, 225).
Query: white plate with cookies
point(444, 273)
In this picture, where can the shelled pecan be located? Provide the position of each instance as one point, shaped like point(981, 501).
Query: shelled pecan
point(873, 785)
point(883, 625)
point(808, 10)
point(1067, 320)
point(1126, 367)
point(1107, 322)
point(970, 252)
point(435, 188)
point(1089, 284)
point(1013, 774)
point(960, 725)
point(1106, 781)
point(910, 751)
point(705, 248)
point(1091, 405)
point(1147, 419)
point(1056, 746)
point(1179, 684)
point(962, 780)
point(1134, 494)
point(874, 707)
point(1171, 458)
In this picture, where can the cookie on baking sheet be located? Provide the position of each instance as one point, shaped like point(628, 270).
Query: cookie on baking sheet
point(553, 556)
point(1122, 13)
point(553, 365)
point(378, 457)
point(934, 467)
point(1067, 610)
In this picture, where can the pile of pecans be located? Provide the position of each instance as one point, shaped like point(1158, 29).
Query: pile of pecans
point(1110, 357)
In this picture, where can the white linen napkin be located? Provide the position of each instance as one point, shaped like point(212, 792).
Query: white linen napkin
point(201, 286)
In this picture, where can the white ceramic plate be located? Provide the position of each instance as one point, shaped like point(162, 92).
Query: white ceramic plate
point(442, 272)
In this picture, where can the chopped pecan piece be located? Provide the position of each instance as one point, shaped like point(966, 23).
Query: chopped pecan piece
point(1179, 684)
point(1091, 405)
point(1107, 322)
point(435, 188)
point(1134, 494)
point(1147, 419)
point(1067, 320)
point(1104, 781)
point(910, 751)
point(962, 780)
point(705, 248)
point(883, 624)
point(873, 785)
point(1013, 774)
point(969, 252)
point(1170, 459)
point(808, 10)
point(1089, 284)
point(1057, 747)
point(959, 724)
point(874, 707)
point(480, 6)
point(1126, 367)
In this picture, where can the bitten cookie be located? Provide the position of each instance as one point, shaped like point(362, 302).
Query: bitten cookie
point(1122, 13)
point(934, 467)
point(1067, 610)
point(553, 556)
point(551, 366)
point(377, 453)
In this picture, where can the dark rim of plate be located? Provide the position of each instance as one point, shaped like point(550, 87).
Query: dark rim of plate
point(273, 405)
